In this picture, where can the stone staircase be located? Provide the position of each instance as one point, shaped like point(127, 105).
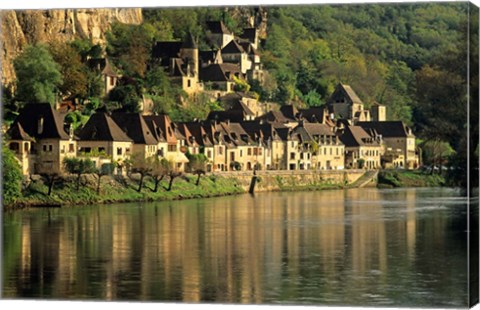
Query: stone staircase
point(365, 179)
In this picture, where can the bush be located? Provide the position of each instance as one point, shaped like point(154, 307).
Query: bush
point(12, 177)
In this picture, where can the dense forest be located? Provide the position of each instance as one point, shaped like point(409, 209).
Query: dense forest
point(410, 57)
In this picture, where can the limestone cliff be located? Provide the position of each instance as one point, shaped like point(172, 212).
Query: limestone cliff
point(34, 26)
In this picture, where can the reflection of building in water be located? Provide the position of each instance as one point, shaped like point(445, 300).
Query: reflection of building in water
point(411, 223)
point(368, 236)
point(26, 256)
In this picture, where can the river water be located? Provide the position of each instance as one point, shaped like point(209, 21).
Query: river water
point(358, 247)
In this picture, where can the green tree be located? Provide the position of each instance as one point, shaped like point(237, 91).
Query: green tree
point(160, 168)
point(12, 176)
point(142, 166)
point(104, 170)
point(197, 165)
point(78, 167)
point(74, 72)
point(129, 47)
point(38, 75)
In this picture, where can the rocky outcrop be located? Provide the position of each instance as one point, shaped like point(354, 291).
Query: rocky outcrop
point(20, 28)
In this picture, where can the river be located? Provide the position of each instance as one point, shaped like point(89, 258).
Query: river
point(358, 247)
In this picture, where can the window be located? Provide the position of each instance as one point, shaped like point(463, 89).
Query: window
point(325, 151)
point(232, 156)
point(63, 149)
point(26, 147)
point(127, 150)
point(71, 148)
point(292, 155)
point(255, 151)
point(336, 151)
point(241, 153)
point(331, 151)
point(159, 153)
point(119, 151)
point(172, 148)
point(249, 152)
point(189, 83)
point(209, 153)
point(260, 151)
point(112, 81)
point(14, 146)
point(220, 150)
point(101, 149)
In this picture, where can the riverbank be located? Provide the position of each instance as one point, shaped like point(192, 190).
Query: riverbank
point(408, 178)
point(124, 189)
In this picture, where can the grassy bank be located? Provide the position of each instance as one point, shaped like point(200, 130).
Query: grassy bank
point(406, 178)
point(124, 190)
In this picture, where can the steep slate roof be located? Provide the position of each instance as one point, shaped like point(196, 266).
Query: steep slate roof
point(316, 129)
point(101, 127)
point(314, 114)
point(16, 132)
point(233, 48)
point(104, 65)
point(237, 134)
point(219, 72)
point(347, 91)
point(289, 111)
point(198, 131)
point(354, 136)
point(248, 47)
point(209, 57)
point(249, 34)
point(276, 117)
point(190, 42)
point(164, 126)
point(30, 116)
point(229, 115)
point(217, 27)
point(166, 50)
point(388, 129)
point(135, 127)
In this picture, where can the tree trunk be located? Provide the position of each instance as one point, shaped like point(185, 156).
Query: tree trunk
point(198, 179)
point(140, 183)
point(157, 182)
point(171, 183)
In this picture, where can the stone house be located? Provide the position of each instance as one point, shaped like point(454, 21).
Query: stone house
point(107, 71)
point(345, 104)
point(362, 150)
point(39, 140)
point(220, 78)
point(328, 152)
point(399, 142)
point(181, 61)
point(218, 34)
point(171, 145)
point(234, 53)
point(102, 137)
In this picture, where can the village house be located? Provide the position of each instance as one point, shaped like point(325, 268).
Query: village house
point(107, 71)
point(39, 141)
point(218, 34)
point(219, 79)
point(362, 150)
point(206, 145)
point(181, 62)
point(344, 103)
point(328, 152)
point(215, 133)
point(400, 149)
point(102, 137)
point(172, 148)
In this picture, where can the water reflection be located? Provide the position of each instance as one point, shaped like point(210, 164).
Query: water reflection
point(355, 247)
